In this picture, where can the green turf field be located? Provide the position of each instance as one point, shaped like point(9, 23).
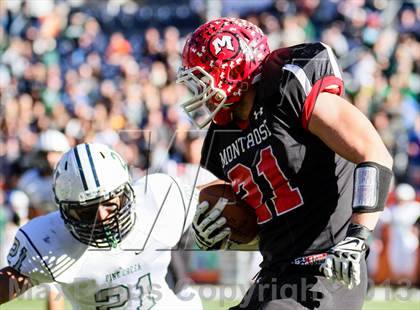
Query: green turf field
point(215, 305)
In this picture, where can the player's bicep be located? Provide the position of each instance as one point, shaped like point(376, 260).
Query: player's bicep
point(345, 129)
point(12, 284)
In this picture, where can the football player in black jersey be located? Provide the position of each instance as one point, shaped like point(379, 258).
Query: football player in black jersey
point(309, 162)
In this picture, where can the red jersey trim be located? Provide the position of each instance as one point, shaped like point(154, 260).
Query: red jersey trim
point(319, 87)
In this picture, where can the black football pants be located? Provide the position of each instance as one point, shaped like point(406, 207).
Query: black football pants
point(303, 290)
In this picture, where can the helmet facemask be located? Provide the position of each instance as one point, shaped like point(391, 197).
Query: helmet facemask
point(207, 100)
point(82, 221)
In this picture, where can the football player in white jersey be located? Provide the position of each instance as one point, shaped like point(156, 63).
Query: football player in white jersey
point(109, 244)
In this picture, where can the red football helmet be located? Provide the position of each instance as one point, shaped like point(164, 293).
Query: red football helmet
point(219, 61)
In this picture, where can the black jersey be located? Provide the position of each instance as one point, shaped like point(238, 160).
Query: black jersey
point(300, 189)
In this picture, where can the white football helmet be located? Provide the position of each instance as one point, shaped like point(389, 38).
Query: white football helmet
point(52, 141)
point(87, 175)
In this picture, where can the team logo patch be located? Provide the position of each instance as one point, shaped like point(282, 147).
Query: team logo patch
point(224, 45)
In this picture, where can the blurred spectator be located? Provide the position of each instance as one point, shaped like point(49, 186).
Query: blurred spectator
point(417, 232)
point(408, 22)
point(117, 49)
point(3, 231)
point(12, 216)
point(402, 250)
point(152, 49)
point(414, 154)
point(37, 181)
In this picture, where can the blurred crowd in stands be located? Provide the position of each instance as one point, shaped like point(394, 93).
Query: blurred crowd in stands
point(104, 71)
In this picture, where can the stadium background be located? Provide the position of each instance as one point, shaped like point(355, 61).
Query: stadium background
point(104, 71)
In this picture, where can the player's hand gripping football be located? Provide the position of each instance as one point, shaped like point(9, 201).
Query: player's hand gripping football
point(208, 227)
point(343, 262)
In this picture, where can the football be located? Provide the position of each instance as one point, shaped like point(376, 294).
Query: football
point(240, 217)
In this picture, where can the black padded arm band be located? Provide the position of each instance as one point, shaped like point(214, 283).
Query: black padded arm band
point(371, 187)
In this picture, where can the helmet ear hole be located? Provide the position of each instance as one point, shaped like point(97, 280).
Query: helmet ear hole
point(244, 86)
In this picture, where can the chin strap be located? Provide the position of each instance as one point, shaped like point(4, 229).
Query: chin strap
point(223, 117)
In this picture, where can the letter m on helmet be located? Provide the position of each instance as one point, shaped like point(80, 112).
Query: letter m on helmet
point(225, 41)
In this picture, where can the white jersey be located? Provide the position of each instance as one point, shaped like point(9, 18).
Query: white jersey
point(131, 276)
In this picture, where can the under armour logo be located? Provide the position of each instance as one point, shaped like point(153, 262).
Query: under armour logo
point(258, 113)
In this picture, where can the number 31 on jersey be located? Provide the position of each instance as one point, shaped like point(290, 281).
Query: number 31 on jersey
point(282, 196)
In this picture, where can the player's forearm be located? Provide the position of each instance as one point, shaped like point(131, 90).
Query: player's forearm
point(12, 284)
point(55, 300)
point(368, 220)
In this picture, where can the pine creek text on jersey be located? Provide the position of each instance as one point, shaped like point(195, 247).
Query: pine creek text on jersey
point(242, 144)
point(122, 272)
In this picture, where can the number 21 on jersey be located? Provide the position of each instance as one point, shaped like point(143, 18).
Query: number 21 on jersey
point(282, 195)
point(118, 296)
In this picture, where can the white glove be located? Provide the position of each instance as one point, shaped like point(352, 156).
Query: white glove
point(343, 262)
point(208, 229)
